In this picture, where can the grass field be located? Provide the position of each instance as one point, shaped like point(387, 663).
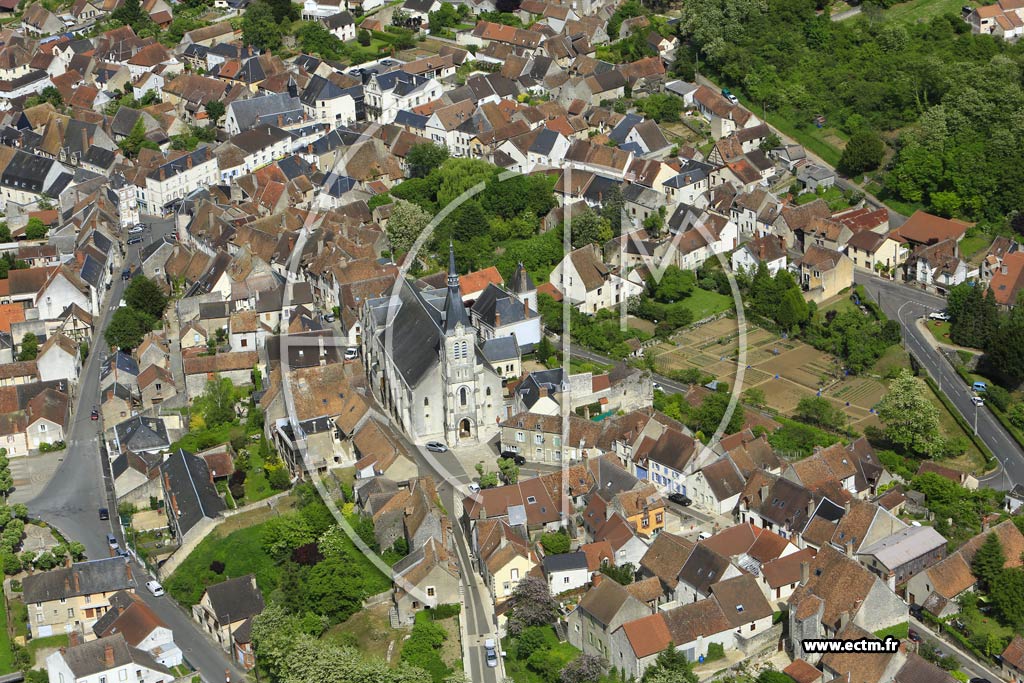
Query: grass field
point(371, 632)
point(974, 247)
point(6, 656)
point(940, 330)
point(917, 10)
point(563, 653)
point(705, 304)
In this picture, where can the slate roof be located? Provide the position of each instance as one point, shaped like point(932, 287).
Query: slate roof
point(564, 562)
point(140, 433)
point(235, 599)
point(106, 575)
point(89, 659)
point(500, 349)
point(266, 109)
point(190, 490)
point(604, 601)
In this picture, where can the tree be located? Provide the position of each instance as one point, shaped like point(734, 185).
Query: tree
point(406, 223)
point(531, 604)
point(555, 543)
point(588, 227)
point(862, 153)
point(214, 110)
point(260, 27)
point(584, 669)
point(711, 412)
point(622, 574)
point(29, 347)
point(818, 410)
point(1007, 594)
point(911, 420)
point(136, 140)
point(988, 562)
point(754, 396)
point(364, 37)
point(144, 295)
point(5, 232)
point(35, 229)
point(131, 13)
point(425, 157)
point(671, 666)
point(770, 142)
point(217, 402)
point(1005, 350)
point(509, 470)
point(792, 310)
point(612, 207)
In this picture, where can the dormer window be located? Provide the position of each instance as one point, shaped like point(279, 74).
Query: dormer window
point(531, 500)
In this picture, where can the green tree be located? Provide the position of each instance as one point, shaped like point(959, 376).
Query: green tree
point(588, 227)
point(217, 402)
point(911, 420)
point(711, 412)
point(612, 207)
point(364, 38)
point(29, 347)
point(621, 574)
point(792, 310)
point(214, 111)
point(144, 295)
point(662, 107)
point(425, 157)
point(131, 13)
point(671, 666)
point(862, 153)
point(136, 140)
point(1007, 594)
point(456, 176)
point(5, 232)
point(35, 229)
point(260, 27)
point(406, 223)
point(1005, 351)
point(509, 470)
point(818, 410)
point(988, 562)
point(555, 543)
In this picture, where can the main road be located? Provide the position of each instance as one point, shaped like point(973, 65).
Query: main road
point(81, 485)
point(906, 305)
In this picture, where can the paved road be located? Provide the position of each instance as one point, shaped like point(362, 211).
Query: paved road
point(969, 665)
point(907, 304)
point(81, 485)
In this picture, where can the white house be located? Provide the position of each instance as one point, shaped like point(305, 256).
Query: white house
point(589, 284)
point(387, 94)
point(566, 572)
point(105, 660)
point(252, 149)
point(63, 288)
point(174, 180)
point(59, 359)
point(768, 249)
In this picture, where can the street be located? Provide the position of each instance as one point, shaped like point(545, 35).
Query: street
point(907, 304)
point(81, 485)
point(968, 664)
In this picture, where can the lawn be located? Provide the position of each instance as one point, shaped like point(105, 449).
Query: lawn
point(972, 460)
point(49, 642)
point(370, 632)
point(705, 304)
point(940, 330)
point(241, 552)
point(517, 670)
point(899, 631)
point(256, 485)
point(833, 196)
point(825, 142)
point(922, 10)
point(974, 245)
point(894, 357)
point(6, 656)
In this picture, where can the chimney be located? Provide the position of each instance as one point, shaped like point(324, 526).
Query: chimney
point(984, 525)
point(805, 573)
point(597, 579)
point(844, 619)
point(163, 174)
point(483, 516)
point(108, 655)
point(73, 639)
point(408, 511)
point(526, 308)
point(188, 161)
point(810, 508)
point(846, 506)
point(1003, 269)
point(128, 571)
point(309, 148)
point(764, 492)
point(67, 561)
point(280, 120)
point(849, 548)
point(67, 585)
point(209, 153)
point(78, 585)
point(497, 319)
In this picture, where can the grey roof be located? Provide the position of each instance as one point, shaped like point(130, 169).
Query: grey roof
point(97, 156)
point(265, 109)
point(26, 172)
point(702, 568)
point(628, 122)
point(545, 141)
point(343, 18)
point(410, 120)
point(454, 309)
point(565, 562)
point(531, 389)
point(612, 480)
point(905, 545)
point(500, 349)
point(257, 139)
point(693, 171)
point(214, 310)
point(92, 271)
point(521, 282)
point(235, 599)
point(190, 489)
point(117, 390)
point(139, 433)
point(90, 658)
point(121, 362)
point(105, 575)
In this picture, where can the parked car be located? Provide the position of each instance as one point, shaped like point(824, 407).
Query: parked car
point(351, 353)
point(514, 457)
point(977, 400)
point(137, 229)
point(703, 536)
point(656, 386)
point(938, 315)
point(473, 487)
point(729, 96)
point(134, 240)
point(104, 513)
point(155, 588)
point(979, 387)
point(492, 652)
point(436, 447)
point(914, 636)
point(112, 540)
point(329, 318)
point(679, 499)
point(94, 414)
point(916, 611)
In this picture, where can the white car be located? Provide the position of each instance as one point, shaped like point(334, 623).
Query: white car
point(155, 588)
point(939, 315)
point(474, 488)
point(977, 400)
point(351, 353)
point(436, 447)
point(136, 230)
point(492, 653)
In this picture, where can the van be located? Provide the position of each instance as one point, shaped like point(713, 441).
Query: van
point(979, 386)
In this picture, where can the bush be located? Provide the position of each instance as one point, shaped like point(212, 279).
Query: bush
point(715, 651)
point(445, 611)
point(998, 397)
point(422, 649)
point(279, 479)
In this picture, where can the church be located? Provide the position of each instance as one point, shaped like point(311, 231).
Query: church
point(426, 365)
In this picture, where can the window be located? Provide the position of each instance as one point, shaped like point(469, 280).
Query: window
point(659, 518)
point(430, 591)
point(565, 579)
point(122, 675)
point(556, 441)
point(531, 500)
point(39, 618)
point(71, 612)
point(520, 437)
point(463, 396)
point(515, 574)
point(538, 438)
point(245, 343)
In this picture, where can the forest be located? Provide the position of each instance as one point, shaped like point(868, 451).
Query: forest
point(948, 103)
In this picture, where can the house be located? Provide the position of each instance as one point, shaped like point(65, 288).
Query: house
point(902, 555)
point(505, 556)
point(1003, 19)
point(767, 249)
point(824, 273)
point(834, 591)
point(643, 508)
point(236, 366)
point(140, 434)
point(191, 496)
point(815, 177)
point(937, 266)
point(589, 284)
point(604, 608)
point(105, 659)
point(1013, 660)
point(425, 578)
point(923, 229)
point(156, 385)
point(226, 611)
point(566, 572)
point(876, 252)
point(717, 486)
point(142, 629)
point(73, 598)
point(781, 576)
point(1007, 279)
point(59, 358)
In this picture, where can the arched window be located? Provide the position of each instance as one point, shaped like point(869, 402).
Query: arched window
point(465, 350)
point(463, 396)
point(456, 350)
point(488, 393)
point(426, 401)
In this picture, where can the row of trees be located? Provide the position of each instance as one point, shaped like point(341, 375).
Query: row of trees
point(977, 321)
point(143, 309)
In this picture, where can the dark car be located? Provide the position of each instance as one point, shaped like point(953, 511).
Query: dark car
point(979, 679)
point(914, 636)
point(135, 240)
point(916, 611)
point(104, 513)
point(514, 457)
point(679, 499)
point(94, 414)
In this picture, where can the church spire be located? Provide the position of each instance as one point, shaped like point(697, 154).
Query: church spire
point(454, 309)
